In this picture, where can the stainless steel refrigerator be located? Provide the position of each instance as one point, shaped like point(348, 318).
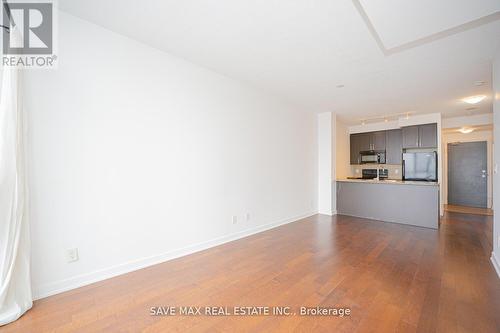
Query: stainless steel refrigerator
point(420, 166)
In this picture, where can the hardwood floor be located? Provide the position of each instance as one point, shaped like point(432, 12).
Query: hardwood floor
point(394, 278)
point(468, 210)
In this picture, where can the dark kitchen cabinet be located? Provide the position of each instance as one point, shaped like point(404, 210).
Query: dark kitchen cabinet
point(356, 141)
point(427, 135)
point(370, 141)
point(421, 136)
point(410, 137)
point(394, 146)
point(378, 140)
point(393, 142)
point(364, 142)
point(354, 149)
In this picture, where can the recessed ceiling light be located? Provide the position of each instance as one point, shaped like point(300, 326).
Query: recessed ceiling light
point(465, 130)
point(474, 99)
point(340, 86)
point(479, 83)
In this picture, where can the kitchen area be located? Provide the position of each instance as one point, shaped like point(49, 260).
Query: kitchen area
point(393, 176)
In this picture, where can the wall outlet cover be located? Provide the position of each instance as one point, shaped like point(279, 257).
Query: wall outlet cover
point(72, 255)
point(234, 219)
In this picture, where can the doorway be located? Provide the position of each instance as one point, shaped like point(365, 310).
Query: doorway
point(467, 174)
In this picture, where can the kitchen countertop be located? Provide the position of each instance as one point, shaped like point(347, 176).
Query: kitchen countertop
point(405, 202)
point(388, 181)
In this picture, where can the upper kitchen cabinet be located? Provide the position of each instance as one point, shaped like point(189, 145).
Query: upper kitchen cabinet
point(428, 135)
point(359, 142)
point(410, 137)
point(421, 136)
point(378, 140)
point(370, 141)
point(394, 146)
point(353, 143)
point(364, 142)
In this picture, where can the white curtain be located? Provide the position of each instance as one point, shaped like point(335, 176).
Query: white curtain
point(15, 279)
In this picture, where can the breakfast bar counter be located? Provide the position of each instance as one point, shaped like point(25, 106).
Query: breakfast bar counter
point(405, 202)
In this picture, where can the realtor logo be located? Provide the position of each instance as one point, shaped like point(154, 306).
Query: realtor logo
point(34, 21)
point(28, 34)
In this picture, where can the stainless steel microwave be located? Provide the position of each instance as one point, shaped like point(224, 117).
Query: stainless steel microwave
point(371, 156)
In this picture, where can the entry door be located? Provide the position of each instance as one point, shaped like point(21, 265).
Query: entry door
point(467, 174)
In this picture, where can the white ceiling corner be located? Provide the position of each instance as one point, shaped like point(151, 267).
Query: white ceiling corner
point(399, 23)
point(302, 50)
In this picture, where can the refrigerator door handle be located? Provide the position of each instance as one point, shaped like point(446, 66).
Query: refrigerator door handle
point(403, 170)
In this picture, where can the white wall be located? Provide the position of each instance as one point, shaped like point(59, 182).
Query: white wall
point(453, 137)
point(372, 127)
point(343, 154)
point(495, 257)
point(326, 163)
point(473, 120)
point(137, 157)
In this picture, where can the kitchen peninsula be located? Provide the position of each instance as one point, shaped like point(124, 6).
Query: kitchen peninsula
point(406, 202)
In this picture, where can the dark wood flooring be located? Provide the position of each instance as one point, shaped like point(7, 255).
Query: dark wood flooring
point(468, 210)
point(394, 278)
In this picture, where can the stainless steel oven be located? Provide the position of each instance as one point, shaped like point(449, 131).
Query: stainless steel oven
point(372, 156)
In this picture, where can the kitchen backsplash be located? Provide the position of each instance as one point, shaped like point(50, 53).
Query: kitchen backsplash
point(395, 170)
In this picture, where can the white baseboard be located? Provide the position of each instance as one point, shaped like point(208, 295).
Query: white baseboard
point(329, 213)
point(496, 263)
point(96, 276)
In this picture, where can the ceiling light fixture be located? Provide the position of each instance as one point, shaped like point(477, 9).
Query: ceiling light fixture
point(474, 99)
point(465, 130)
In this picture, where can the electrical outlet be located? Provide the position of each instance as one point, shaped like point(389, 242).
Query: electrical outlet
point(247, 217)
point(72, 255)
point(235, 219)
point(357, 170)
point(396, 171)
